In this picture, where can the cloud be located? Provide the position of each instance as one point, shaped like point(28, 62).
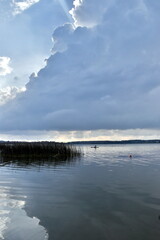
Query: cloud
point(10, 8)
point(103, 74)
point(66, 136)
point(88, 13)
point(9, 93)
point(21, 5)
point(4, 66)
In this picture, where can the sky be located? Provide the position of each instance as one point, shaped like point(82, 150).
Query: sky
point(79, 69)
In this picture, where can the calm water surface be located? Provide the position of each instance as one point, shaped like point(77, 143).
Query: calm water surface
point(105, 195)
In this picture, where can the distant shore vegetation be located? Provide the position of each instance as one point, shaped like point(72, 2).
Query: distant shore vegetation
point(38, 150)
point(135, 141)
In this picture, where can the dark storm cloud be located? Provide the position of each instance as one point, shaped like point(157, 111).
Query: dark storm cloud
point(103, 74)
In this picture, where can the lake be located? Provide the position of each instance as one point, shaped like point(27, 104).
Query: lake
point(104, 195)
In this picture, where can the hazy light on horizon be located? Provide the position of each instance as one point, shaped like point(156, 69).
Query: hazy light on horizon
point(68, 136)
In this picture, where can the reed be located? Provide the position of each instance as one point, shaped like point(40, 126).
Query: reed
point(45, 150)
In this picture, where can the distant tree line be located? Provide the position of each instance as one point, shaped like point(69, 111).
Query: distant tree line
point(118, 142)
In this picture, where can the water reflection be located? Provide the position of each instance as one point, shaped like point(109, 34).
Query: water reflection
point(105, 195)
point(14, 222)
point(26, 161)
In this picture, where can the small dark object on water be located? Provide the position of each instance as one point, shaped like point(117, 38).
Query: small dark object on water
point(95, 147)
point(130, 156)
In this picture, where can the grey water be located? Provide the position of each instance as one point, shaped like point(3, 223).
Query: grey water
point(104, 195)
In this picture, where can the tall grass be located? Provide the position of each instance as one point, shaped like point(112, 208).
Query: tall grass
point(45, 150)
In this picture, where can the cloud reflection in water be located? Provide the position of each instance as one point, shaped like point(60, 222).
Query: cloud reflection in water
point(14, 222)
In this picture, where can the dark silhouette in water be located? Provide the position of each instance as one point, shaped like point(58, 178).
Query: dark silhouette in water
point(30, 152)
point(95, 147)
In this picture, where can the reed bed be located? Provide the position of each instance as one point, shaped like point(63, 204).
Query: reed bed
point(37, 150)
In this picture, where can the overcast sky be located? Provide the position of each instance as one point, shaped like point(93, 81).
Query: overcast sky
point(78, 70)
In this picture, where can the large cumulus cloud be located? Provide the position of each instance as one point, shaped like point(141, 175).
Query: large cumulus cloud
point(103, 74)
